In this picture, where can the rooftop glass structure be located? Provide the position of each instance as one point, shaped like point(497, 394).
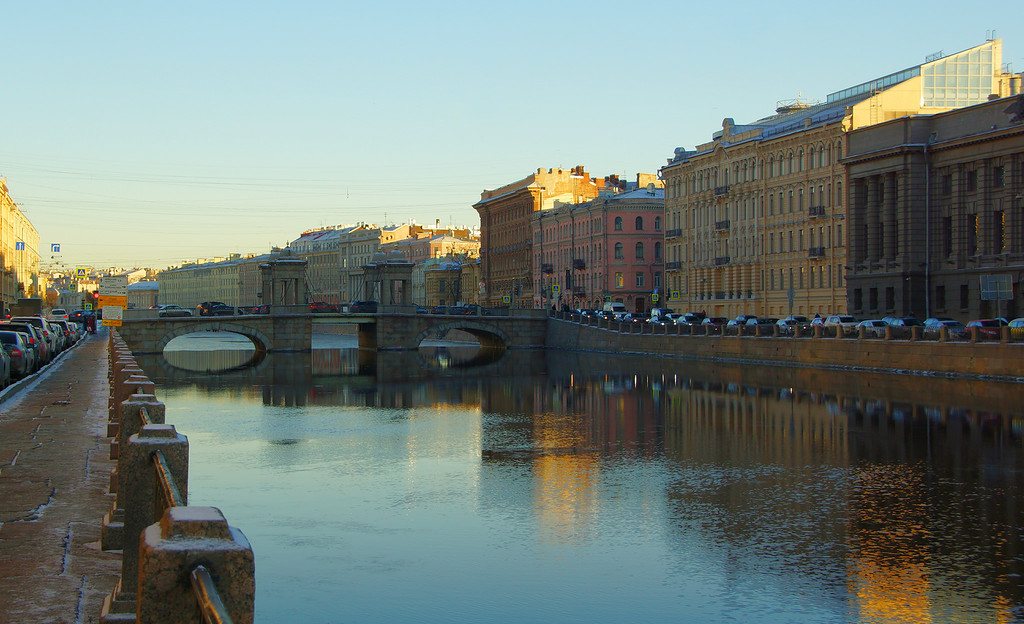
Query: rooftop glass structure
point(960, 79)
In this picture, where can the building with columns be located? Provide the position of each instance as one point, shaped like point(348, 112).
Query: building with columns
point(757, 217)
point(937, 214)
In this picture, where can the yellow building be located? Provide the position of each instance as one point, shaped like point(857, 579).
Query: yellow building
point(19, 252)
point(756, 218)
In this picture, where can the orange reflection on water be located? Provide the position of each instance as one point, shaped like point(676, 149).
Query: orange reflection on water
point(565, 479)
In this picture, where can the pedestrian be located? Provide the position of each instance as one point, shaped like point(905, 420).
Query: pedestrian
point(91, 322)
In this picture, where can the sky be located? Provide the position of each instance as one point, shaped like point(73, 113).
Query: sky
point(139, 134)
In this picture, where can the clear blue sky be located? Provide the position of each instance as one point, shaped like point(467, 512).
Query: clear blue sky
point(144, 134)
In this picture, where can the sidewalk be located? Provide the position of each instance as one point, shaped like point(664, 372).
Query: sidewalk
point(54, 473)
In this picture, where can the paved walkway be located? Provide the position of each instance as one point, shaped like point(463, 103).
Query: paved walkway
point(54, 473)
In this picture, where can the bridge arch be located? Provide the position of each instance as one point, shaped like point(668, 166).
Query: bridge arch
point(490, 336)
point(260, 340)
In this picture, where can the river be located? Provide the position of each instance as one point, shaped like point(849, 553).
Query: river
point(569, 487)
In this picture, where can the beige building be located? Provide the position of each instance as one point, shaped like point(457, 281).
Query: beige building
point(757, 217)
point(234, 281)
point(19, 252)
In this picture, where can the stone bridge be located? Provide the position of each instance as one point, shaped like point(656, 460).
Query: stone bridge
point(389, 330)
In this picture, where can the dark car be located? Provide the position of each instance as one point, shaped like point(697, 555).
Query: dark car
point(215, 308)
point(37, 343)
point(20, 353)
point(318, 307)
point(363, 307)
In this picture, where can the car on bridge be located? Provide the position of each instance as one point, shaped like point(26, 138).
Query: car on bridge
point(363, 307)
point(171, 310)
point(322, 307)
point(215, 308)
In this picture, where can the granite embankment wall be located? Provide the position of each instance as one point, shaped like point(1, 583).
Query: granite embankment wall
point(953, 358)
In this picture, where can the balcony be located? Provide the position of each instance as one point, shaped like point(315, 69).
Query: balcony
point(720, 260)
point(722, 226)
point(721, 191)
point(676, 233)
point(816, 211)
point(675, 265)
point(816, 252)
point(547, 268)
point(579, 264)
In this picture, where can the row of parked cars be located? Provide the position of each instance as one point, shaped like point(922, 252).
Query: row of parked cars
point(843, 324)
point(31, 342)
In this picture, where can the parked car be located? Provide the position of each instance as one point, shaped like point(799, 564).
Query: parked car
point(58, 314)
point(843, 323)
point(20, 354)
point(364, 307)
point(318, 307)
point(171, 310)
point(954, 329)
point(52, 345)
point(39, 345)
point(873, 327)
point(990, 329)
point(764, 324)
point(935, 322)
point(1017, 328)
point(215, 308)
point(635, 317)
point(743, 318)
point(714, 321)
point(691, 318)
point(906, 321)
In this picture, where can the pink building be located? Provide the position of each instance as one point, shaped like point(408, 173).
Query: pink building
point(607, 249)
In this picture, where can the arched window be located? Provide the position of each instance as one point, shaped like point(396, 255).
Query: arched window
point(639, 251)
point(618, 251)
point(657, 224)
point(618, 224)
point(639, 224)
point(657, 251)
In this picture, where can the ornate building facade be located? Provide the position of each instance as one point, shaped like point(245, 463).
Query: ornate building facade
point(19, 252)
point(757, 217)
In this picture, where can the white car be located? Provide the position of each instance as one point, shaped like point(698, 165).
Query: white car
point(58, 314)
point(875, 327)
point(845, 325)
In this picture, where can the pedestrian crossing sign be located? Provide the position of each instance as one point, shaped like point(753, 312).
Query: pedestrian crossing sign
point(81, 272)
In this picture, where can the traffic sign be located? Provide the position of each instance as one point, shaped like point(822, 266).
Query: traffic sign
point(112, 316)
point(112, 300)
point(506, 299)
point(81, 273)
point(555, 289)
point(19, 246)
point(116, 285)
point(55, 247)
point(87, 307)
point(654, 296)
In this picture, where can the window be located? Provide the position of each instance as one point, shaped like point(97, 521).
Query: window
point(657, 224)
point(639, 224)
point(873, 299)
point(618, 251)
point(657, 279)
point(890, 298)
point(947, 184)
point(998, 232)
point(639, 251)
point(940, 297)
point(998, 174)
point(965, 296)
point(657, 251)
point(618, 280)
point(639, 280)
point(972, 181)
point(972, 235)
point(858, 299)
point(618, 224)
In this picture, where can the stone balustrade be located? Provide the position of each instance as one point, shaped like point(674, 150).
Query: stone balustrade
point(178, 562)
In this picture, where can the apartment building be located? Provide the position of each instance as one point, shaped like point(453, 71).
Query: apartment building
point(607, 249)
point(506, 246)
point(19, 252)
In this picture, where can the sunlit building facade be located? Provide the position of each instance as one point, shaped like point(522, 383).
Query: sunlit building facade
point(757, 217)
point(19, 252)
point(506, 244)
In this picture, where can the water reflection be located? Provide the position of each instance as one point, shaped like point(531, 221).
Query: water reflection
point(724, 492)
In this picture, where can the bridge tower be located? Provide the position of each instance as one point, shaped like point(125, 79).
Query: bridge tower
point(388, 279)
